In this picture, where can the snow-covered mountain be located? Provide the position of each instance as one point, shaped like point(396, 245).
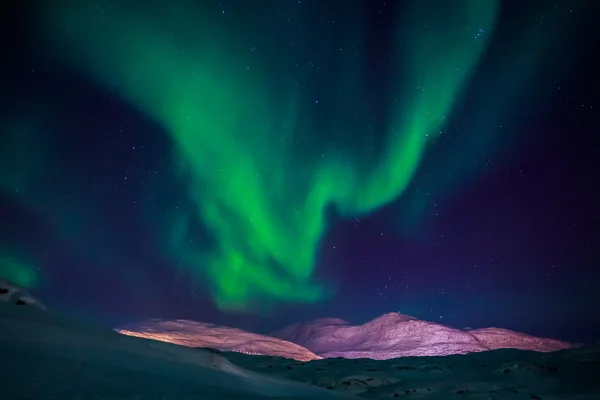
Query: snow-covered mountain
point(198, 334)
point(396, 335)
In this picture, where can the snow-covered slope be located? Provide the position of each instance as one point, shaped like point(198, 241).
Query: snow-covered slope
point(396, 335)
point(17, 295)
point(198, 334)
point(498, 338)
point(47, 356)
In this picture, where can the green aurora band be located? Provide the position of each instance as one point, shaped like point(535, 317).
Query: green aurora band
point(261, 157)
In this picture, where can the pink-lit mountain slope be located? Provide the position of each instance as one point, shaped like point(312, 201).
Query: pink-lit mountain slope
point(498, 338)
point(198, 334)
point(395, 335)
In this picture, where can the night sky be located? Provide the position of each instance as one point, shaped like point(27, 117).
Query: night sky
point(260, 163)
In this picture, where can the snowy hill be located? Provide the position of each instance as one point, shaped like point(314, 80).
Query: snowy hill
point(46, 356)
point(17, 295)
point(198, 334)
point(396, 335)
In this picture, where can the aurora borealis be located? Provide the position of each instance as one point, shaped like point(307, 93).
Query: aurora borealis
point(244, 137)
point(238, 139)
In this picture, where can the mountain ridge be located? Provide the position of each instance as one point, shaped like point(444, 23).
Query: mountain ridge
point(390, 335)
point(199, 334)
point(394, 335)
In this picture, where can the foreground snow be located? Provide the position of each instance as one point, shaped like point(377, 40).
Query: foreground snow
point(572, 374)
point(46, 356)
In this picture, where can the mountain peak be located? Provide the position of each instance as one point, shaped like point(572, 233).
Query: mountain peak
point(392, 317)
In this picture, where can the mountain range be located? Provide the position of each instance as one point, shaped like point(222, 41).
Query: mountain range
point(391, 335)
